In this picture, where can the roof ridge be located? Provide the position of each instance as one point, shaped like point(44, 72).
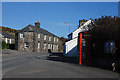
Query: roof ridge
point(48, 32)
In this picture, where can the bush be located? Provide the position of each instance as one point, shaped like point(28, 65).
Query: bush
point(5, 45)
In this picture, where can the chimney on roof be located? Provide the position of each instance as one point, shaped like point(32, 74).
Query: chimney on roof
point(81, 22)
point(37, 24)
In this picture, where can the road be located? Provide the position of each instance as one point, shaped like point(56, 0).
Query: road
point(40, 65)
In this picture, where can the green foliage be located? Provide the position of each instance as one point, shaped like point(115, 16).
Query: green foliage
point(4, 45)
point(6, 29)
point(62, 41)
point(107, 28)
point(60, 47)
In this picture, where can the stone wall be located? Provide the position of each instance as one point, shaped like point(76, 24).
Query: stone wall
point(33, 42)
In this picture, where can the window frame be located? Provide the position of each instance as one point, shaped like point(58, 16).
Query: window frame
point(38, 35)
point(49, 38)
point(26, 45)
point(45, 37)
point(107, 49)
point(45, 46)
point(21, 35)
point(54, 39)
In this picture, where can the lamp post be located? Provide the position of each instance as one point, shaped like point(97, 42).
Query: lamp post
point(69, 25)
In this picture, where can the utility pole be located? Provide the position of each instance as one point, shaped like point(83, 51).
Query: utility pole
point(69, 28)
point(69, 25)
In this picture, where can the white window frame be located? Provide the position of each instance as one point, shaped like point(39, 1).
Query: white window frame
point(49, 38)
point(44, 45)
point(38, 45)
point(57, 47)
point(21, 35)
point(10, 41)
point(57, 39)
point(26, 46)
point(44, 37)
point(48, 46)
point(54, 39)
point(38, 35)
point(51, 46)
point(6, 40)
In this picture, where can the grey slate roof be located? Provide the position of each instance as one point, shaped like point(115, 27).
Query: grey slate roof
point(31, 28)
point(6, 35)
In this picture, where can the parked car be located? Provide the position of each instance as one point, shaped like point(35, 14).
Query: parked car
point(116, 63)
point(116, 66)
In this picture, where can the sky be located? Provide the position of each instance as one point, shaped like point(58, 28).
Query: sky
point(52, 15)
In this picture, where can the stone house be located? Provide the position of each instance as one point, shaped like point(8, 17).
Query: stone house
point(35, 39)
point(7, 38)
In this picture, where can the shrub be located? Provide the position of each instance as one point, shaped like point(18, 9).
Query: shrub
point(5, 45)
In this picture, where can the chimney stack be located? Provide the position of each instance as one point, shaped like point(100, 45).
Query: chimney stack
point(37, 24)
point(81, 22)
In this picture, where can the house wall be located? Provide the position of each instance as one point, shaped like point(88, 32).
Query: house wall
point(71, 48)
point(34, 42)
point(28, 37)
point(8, 40)
point(75, 33)
point(70, 37)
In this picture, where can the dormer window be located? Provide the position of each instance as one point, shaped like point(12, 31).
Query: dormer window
point(21, 35)
point(38, 35)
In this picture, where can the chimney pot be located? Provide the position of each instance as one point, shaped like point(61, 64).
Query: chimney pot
point(37, 24)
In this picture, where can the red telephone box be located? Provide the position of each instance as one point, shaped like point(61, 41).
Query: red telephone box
point(84, 48)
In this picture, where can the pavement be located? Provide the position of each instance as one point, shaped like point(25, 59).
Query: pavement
point(41, 65)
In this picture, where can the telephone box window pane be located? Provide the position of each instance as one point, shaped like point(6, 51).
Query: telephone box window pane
point(111, 47)
point(107, 47)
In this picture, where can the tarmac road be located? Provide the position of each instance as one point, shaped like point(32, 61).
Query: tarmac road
point(40, 65)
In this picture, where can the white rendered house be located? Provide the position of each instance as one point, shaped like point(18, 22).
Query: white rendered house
point(70, 47)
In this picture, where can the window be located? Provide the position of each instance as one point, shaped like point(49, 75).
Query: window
point(109, 47)
point(21, 35)
point(45, 37)
point(6, 40)
point(38, 45)
point(49, 38)
point(26, 45)
point(51, 46)
point(44, 45)
point(57, 47)
point(10, 41)
point(38, 35)
point(57, 39)
point(48, 46)
point(54, 39)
